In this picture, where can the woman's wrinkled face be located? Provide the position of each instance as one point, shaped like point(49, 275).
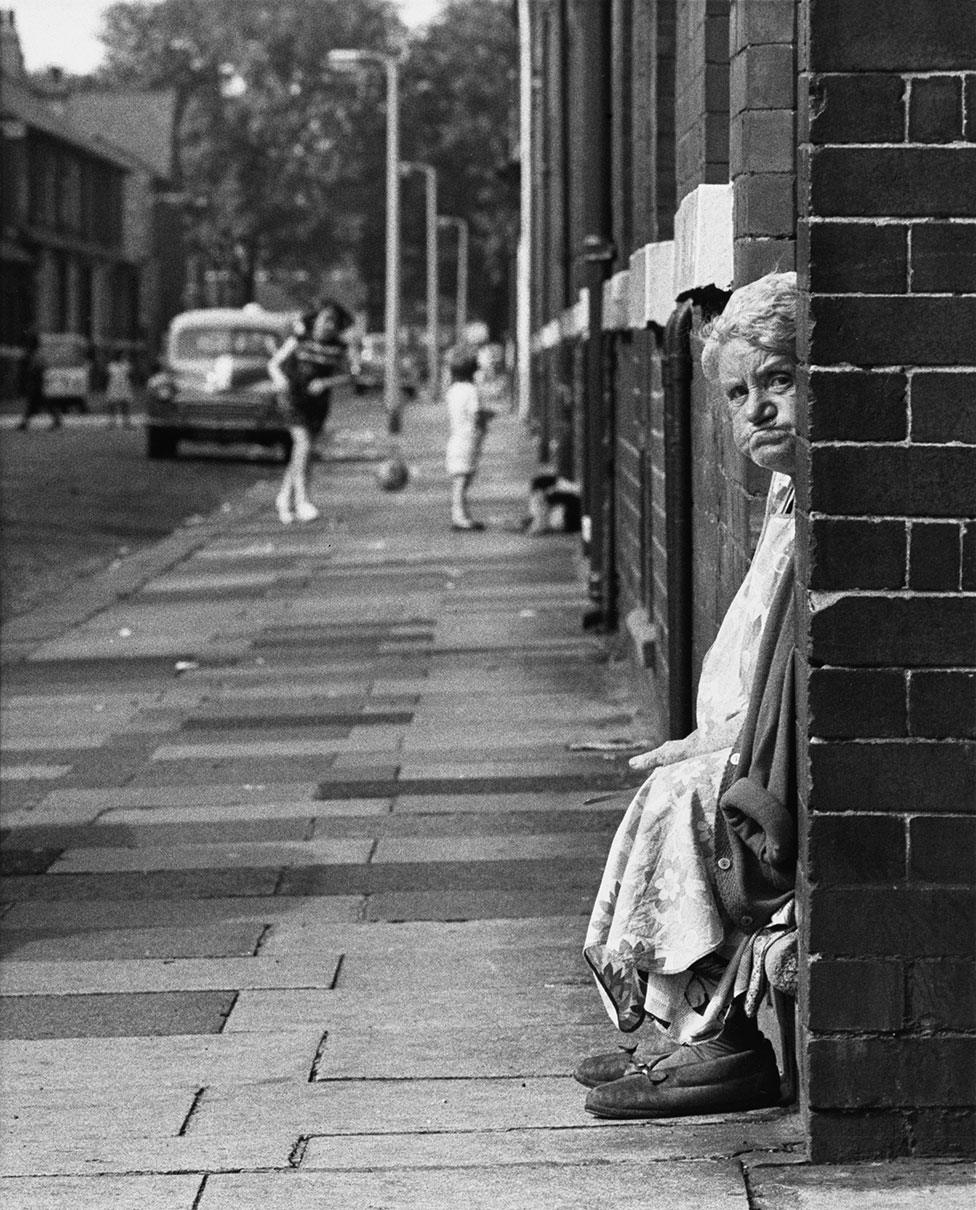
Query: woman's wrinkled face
point(760, 389)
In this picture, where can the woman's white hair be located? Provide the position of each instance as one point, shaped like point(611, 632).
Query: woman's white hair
point(763, 312)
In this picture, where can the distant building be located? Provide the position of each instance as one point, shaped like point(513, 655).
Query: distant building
point(90, 227)
point(141, 124)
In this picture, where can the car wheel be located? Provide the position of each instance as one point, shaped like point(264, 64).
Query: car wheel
point(160, 443)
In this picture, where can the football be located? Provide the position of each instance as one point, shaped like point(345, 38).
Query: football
point(392, 475)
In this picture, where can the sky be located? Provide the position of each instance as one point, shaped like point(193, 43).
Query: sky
point(64, 33)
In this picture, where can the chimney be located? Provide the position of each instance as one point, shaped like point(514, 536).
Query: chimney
point(11, 55)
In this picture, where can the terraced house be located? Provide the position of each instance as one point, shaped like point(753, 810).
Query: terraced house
point(671, 151)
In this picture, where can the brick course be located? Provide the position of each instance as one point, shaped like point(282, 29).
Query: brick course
point(886, 253)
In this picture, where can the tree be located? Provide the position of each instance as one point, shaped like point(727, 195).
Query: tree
point(459, 109)
point(271, 147)
point(283, 160)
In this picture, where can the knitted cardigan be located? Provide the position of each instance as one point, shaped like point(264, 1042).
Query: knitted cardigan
point(755, 824)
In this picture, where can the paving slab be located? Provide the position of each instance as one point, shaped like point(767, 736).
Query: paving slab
point(26, 860)
point(131, 975)
point(151, 1192)
point(216, 941)
point(130, 1155)
point(38, 1117)
point(624, 1144)
point(481, 904)
point(393, 1106)
point(70, 916)
point(513, 874)
point(432, 1007)
point(463, 823)
point(900, 1185)
point(178, 795)
point(462, 1049)
point(611, 801)
point(253, 855)
point(157, 835)
point(102, 1065)
point(590, 849)
point(275, 771)
point(252, 749)
point(38, 772)
point(152, 884)
point(105, 1015)
point(240, 812)
point(706, 1184)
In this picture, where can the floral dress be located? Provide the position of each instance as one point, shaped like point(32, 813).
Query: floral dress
point(657, 912)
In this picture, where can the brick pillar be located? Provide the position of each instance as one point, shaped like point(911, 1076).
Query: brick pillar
point(887, 256)
point(762, 143)
point(701, 95)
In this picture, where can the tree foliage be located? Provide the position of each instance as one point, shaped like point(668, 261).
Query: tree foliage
point(282, 159)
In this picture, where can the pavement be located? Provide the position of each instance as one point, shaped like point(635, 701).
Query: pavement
point(302, 828)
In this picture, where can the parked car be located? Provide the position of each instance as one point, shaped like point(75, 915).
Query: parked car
point(66, 359)
point(369, 368)
point(214, 384)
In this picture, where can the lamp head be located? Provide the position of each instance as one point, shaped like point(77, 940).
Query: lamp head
point(346, 58)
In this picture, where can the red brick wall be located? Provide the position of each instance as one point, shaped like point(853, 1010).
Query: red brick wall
point(762, 143)
point(887, 546)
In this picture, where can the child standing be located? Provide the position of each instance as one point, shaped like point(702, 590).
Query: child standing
point(118, 389)
point(468, 425)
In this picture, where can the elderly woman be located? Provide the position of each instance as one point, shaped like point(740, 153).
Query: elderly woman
point(705, 855)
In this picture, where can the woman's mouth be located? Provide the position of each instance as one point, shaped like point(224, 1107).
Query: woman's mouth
point(771, 436)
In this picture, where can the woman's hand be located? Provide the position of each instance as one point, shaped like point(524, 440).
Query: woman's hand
point(318, 385)
point(668, 753)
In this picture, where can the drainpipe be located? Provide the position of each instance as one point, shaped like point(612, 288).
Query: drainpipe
point(678, 517)
point(594, 256)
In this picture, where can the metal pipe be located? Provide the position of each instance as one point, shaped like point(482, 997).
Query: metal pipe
point(677, 369)
point(433, 289)
point(392, 395)
point(523, 308)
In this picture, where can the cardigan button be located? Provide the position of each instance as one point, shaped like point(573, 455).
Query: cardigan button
point(724, 863)
point(745, 921)
point(734, 758)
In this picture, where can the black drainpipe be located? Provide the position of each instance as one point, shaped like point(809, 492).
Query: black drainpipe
point(678, 509)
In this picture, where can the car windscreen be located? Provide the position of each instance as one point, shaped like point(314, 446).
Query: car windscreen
point(204, 344)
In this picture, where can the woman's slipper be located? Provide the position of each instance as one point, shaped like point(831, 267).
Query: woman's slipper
point(673, 1086)
point(602, 1069)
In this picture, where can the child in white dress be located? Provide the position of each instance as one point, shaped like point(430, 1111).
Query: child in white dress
point(468, 421)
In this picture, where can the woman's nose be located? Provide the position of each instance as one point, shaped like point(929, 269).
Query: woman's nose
point(760, 405)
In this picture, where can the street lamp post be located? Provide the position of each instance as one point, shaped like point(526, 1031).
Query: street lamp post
point(433, 338)
point(392, 395)
point(461, 314)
